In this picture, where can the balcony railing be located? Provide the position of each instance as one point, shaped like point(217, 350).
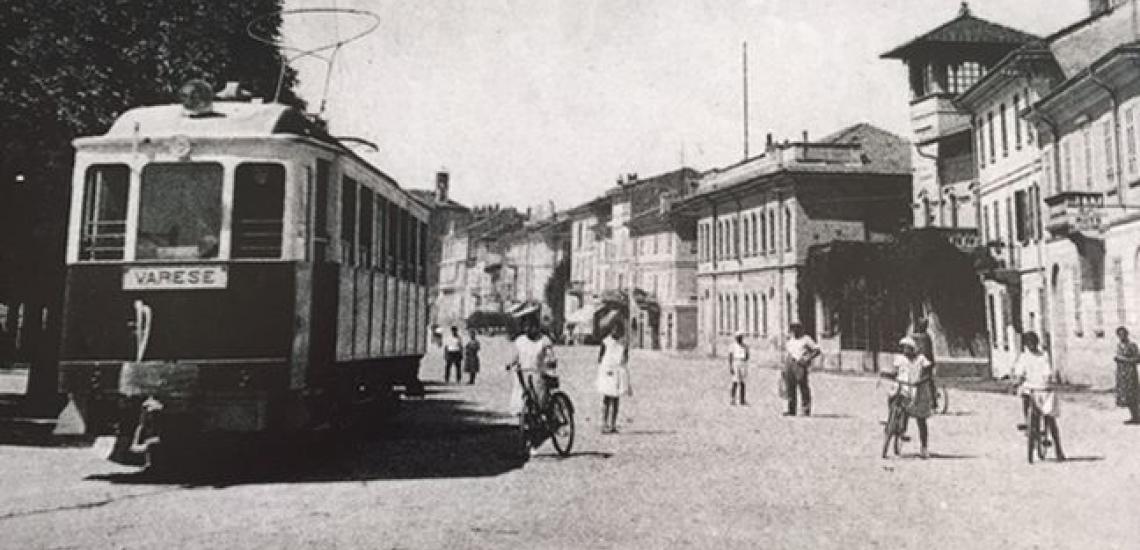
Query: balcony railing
point(1074, 212)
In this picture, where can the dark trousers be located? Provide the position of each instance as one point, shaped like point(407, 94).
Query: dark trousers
point(452, 358)
point(796, 378)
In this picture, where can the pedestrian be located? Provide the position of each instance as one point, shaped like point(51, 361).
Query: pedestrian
point(800, 351)
point(613, 374)
point(1035, 377)
point(452, 355)
point(913, 388)
point(1127, 381)
point(436, 335)
point(471, 356)
point(738, 368)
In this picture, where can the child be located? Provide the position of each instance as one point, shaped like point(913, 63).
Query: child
point(613, 375)
point(913, 386)
point(738, 368)
point(1035, 377)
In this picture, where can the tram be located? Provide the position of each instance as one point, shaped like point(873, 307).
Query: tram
point(232, 268)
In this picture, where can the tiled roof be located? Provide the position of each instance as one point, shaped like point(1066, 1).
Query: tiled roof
point(964, 29)
point(883, 152)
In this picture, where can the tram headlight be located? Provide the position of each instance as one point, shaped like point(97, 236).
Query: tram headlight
point(197, 97)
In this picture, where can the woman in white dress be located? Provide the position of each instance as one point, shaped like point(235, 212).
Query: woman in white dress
point(613, 375)
point(738, 367)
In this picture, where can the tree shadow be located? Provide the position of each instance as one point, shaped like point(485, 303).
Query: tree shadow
point(1083, 459)
point(432, 438)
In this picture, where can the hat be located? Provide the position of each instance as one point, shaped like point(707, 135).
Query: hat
point(739, 334)
point(908, 341)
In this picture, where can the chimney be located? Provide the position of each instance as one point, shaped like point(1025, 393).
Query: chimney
point(805, 136)
point(1097, 7)
point(768, 142)
point(442, 182)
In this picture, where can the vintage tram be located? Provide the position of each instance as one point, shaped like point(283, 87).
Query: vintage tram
point(231, 268)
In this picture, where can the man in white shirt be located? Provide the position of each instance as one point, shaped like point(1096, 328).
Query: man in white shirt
point(452, 355)
point(800, 350)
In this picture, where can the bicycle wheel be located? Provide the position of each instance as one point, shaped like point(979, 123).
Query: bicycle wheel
point(561, 416)
point(943, 400)
point(1043, 443)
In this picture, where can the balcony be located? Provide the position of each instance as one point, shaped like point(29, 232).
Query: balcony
point(1073, 213)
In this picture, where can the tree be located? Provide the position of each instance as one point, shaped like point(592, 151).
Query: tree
point(70, 68)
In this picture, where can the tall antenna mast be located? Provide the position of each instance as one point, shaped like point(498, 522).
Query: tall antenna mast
point(744, 63)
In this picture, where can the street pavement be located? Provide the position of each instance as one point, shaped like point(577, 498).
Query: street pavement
point(687, 470)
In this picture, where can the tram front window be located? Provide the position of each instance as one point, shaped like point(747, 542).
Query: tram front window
point(180, 211)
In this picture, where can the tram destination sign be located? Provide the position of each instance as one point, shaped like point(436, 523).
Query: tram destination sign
point(175, 277)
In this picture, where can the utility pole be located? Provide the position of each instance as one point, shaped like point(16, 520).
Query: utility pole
point(744, 64)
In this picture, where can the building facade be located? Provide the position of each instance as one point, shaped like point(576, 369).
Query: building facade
point(605, 259)
point(446, 216)
point(756, 220)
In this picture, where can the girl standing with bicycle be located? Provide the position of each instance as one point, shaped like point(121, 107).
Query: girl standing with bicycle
point(534, 357)
point(1035, 378)
point(913, 391)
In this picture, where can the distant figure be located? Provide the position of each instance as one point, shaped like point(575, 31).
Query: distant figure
point(436, 335)
point(800, 350)
point(452, 355)
point(1035, 377)
point(1127, 381)
point(471, 356)
point(613, 375)
point(738, 368)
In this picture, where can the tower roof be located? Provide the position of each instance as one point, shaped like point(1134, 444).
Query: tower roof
point(964, 29)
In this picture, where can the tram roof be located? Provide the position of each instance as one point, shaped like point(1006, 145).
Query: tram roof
point(226, 119)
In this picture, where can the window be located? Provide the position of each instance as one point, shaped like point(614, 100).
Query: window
point(367, 231)
point(963, 75)
point(379, 222)
point(787, 228)
point(1108, 151)
point(764, 313)
point(996, 235)
point(348, 198)
point(1066, 166)
point(393, 230)
point(1047, 169)
point(1118, 280)
point(1028, 127)
point(1017, 122)
point(763, 233)
point(1086, 135)
point(993, 145)
point(755, 235)
point(979, 127)
point(993, 322)
point(772, 232)
point(321, 233)
point(734, 249)
point(744, 233)
point(987, 233)
point(1020, 211)
point(103, 235)
point(1130, 137)
point(180, 211)
point(405, 245)
point(259, 206)
point(1004, 132)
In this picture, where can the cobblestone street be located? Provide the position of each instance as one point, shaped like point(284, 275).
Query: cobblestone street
point(687, 470)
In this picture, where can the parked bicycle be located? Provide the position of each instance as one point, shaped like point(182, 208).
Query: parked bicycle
point(554, 420)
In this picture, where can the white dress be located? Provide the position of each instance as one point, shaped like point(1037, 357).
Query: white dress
point(739, 363)
point(613, 372)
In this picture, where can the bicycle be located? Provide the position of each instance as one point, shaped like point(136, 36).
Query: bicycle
point(555, 420)
point(896, 422)
point(1037, 433)
point(942, 398)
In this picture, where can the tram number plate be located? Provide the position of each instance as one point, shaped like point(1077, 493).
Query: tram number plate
point(175, 277)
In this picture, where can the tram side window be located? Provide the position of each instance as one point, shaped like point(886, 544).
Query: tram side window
point(321, 219)
point(348, 220)
point(259, 208)
point(366, 229)
point(180, 211)
point(393, 237)
point(381, 219)
point(423, 253)
point(404, 238)
point(103, 234)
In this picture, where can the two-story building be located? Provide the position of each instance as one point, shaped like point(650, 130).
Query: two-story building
point(1087, 127)
point(666, 269)
point(756, 220)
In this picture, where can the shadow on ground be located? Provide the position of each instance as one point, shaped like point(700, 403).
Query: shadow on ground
point(430, 438)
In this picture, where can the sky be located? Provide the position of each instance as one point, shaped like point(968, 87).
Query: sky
point(530, 101)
